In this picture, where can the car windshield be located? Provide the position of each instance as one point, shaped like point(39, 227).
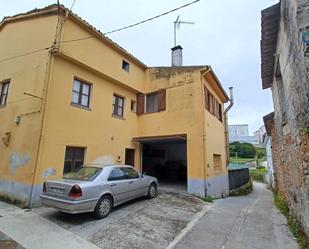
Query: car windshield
point(85, 173)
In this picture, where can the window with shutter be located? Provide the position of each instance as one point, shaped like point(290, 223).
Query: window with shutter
point(140, 105)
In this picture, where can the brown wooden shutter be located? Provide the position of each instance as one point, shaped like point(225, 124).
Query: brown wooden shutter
point(140, 106)
point(206, 98)
point(162, 100)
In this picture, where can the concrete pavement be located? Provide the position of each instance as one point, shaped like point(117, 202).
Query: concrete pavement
point(32, 231)
point(247, 222)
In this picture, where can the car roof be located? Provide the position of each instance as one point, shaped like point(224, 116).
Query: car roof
point(107, 165)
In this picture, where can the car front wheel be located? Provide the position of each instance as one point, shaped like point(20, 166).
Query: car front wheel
point(103, 207)
point(152, 191)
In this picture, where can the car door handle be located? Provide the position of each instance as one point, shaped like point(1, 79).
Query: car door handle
point(130, 182)
point(113, 184)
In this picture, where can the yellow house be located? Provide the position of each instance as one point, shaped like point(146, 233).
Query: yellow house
point(69, 95)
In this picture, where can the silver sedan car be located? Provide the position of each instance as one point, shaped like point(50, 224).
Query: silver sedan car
point(97, 189)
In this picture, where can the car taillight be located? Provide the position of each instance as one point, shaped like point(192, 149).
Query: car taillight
point(44, 187)
point(76, 191)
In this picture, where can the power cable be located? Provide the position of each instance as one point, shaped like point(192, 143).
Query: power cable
point(135, 24)
point(113, 31)
point(20, 55)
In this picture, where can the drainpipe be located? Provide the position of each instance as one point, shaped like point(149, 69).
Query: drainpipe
point(204, 133)
point(226, 125)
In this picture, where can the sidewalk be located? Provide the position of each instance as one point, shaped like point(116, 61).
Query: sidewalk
point(35, 231)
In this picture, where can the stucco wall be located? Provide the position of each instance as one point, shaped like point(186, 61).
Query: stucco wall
point(26, 75)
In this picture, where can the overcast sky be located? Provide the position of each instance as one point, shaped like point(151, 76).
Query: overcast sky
point(226, 35)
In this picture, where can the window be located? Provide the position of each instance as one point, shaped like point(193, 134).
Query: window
point(212, 104)
point(125, 66)
point(131, 173)
point(117, 174)
point(133, 105)
point(152, 102)
point(84, 174)
point(217, 162)
point(81, 93)
point(4, 92)
point(74, 159)
point(118, 105)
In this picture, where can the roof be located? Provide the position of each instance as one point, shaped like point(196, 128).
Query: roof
point(270, 28)
point(235, 166)
point(53, 10)
point(221, 89)
point(269, 122)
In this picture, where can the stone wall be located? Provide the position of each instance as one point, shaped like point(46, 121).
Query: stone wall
point(290, 90)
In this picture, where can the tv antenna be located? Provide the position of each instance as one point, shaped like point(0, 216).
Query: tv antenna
point(177, 26)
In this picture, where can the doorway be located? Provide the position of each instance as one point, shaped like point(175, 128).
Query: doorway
point(129, 157)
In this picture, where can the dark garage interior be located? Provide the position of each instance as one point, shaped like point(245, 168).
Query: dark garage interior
point(166, 159)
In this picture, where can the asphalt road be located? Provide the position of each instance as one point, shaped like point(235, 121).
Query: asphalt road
point(249, 222)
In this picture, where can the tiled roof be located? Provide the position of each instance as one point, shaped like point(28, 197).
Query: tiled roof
point(269, 122)
point(270, 27)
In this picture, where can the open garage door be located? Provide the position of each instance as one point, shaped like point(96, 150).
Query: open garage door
point(165, 157)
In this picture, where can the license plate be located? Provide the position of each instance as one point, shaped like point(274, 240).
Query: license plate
point(57, 190)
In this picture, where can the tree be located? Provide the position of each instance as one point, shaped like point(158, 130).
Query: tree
point(244, 150)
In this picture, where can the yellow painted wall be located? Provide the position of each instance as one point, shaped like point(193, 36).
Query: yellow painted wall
point(95, 129)
point(101, 56)
point(214, 137)
point(26, 74)
point(183, 112)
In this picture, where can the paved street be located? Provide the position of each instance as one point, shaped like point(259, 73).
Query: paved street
point(141, 223)
point(249, 222)
point(172, 220)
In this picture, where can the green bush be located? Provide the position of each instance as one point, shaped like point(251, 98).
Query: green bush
point(244, 150)
point(258, 174)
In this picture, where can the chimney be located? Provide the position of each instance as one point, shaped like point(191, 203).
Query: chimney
point(177, 56)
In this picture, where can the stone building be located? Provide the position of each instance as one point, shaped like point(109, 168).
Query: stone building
point(285, 69)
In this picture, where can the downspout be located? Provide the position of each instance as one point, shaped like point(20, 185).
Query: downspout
point(47, 79)
point(226, 126)
point(204, 133)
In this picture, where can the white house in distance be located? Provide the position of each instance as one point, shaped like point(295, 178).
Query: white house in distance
point(240, 133)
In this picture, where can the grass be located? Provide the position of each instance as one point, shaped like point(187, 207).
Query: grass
point(246, 160)
point(293, 225)
point(208, 199)
point(258, 174)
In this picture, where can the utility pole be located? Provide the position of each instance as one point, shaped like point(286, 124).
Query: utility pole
point(177, 26)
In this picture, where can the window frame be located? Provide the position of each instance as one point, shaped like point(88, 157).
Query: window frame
point(110, 178)
point(81, 94)
point(116, 104)
point(125, 66)
point(74, 158)
point(2, 94)
point(125, 169)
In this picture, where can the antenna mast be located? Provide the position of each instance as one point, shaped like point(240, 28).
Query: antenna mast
point(177, 26)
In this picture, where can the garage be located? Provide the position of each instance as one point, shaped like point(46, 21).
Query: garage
point(165, 157)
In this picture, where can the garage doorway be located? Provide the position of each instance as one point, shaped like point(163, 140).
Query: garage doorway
point(166, 159)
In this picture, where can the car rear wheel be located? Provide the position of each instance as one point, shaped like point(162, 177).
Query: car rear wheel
point(152, 191)
point(103, 207)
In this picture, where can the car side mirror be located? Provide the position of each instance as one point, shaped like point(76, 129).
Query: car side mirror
point(143, 174)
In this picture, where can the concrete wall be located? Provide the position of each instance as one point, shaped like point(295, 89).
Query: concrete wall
point(26, 74)
point(291, 139)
